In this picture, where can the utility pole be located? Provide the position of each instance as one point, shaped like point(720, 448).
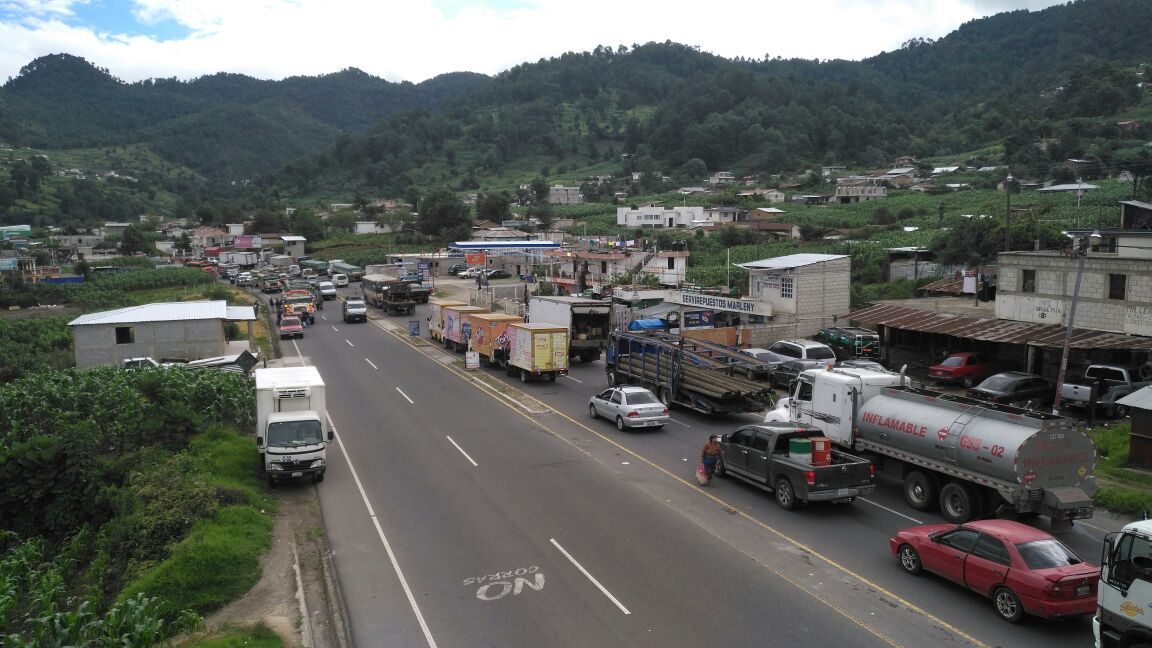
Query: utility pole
point(1008, 212)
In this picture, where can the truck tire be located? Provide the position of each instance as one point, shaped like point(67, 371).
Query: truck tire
point(1119, 411)
point(613, 379)
point(785, 496)
point(719, 470)
point(968, 380)
point(523, 376)
point(665, 396)
point(919, 491)
point(957, 502)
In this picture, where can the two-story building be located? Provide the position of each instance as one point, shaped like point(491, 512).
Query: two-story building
point(656, 216)
point(595, 269)
point(558, 195)
point(805, 292)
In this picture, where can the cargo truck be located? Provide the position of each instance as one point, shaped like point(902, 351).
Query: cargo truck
point(1124, 594)
point(588, 321)
point(486, 329)
point(455, 331)
point(535, 351)
point(704, 376)
point(292, 431)
point(318, 266)
point(388, 294)
point(436, 316)
point(355, 273)
point(966, 456)
point(242, 259)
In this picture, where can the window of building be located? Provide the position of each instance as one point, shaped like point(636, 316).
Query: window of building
point(1107, 244)
point(786, 287)
point(125, 335)
point(603, 267)
point(1117, 283)
point(671, 263)
point(1028, 281)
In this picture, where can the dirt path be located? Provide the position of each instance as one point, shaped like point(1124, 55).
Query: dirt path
point(297, 580)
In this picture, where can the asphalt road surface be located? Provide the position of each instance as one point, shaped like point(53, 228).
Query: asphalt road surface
point(463, 515)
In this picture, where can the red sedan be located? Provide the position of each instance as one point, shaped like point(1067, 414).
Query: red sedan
point(1023, 570)
point(966, 368)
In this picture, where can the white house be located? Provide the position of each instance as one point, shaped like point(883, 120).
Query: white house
point(659, 216)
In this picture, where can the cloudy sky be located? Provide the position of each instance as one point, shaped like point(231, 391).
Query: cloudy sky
point(413, 40)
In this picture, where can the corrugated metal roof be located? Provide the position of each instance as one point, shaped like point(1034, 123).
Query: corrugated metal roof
point(995, 330)
point(241, 314)
point(165, 312)
point(790, 261)
point(1140, 399)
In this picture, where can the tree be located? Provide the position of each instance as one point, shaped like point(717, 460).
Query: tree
point(443, 216)
point(135, 241)
point(265, 221)
point(493, 206)
point(695, 169)
point(309, 225)
point(183, 243)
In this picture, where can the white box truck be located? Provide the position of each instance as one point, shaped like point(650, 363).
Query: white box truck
point(292, 431)
point(588, 320)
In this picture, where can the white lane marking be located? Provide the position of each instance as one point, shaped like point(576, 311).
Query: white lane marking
point(384, 541)
point(1090, 526)
point(892, 511)
point(589, 576)
point(349, 343)
point(371, 365)
point(453, 442)
point(571, 378)
point(679, 422)
point(410, 402)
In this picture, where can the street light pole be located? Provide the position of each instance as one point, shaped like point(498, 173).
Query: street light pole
point(1080, 249)
point(1008, 212)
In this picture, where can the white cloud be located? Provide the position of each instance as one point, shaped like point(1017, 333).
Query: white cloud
point(417, 39)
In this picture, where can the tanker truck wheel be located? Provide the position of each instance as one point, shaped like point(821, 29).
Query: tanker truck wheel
point(919, 491)
point(957, 503)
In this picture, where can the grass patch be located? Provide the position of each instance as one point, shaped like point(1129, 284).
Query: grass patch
point(258, 636)
point(1122, 489)
point(220, 559)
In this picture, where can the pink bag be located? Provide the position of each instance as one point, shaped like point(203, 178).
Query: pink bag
point(702, 475)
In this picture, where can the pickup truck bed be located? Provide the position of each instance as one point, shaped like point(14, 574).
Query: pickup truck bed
point(759, 455)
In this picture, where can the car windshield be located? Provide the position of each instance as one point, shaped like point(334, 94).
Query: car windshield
point(640, 398)
point(954, 361)
point(1045, 554)
point(821, 353)
point(290, 321)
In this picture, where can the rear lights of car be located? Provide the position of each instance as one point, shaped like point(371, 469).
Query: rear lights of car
point(1065, 590)
point(633, 414)
point(665, 412)
point(810, 477)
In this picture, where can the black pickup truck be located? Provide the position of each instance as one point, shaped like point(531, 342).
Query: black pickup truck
point(759, 454)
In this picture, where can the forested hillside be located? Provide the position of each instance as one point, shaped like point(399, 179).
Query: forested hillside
point(1032, 89)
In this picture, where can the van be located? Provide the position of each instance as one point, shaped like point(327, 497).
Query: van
point(804, 350)
point(340, 280)
point(327, 290)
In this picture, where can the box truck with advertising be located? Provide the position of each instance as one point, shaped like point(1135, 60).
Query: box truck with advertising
point(536, 351)
point(456, 330)
point(486, 330)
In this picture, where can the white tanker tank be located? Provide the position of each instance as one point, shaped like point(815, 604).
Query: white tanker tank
point(966, 456)
point(1037, 451)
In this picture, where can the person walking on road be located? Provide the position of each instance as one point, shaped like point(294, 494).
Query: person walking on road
point(709, 455)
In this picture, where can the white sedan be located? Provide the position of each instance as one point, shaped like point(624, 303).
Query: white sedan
point(629, 407)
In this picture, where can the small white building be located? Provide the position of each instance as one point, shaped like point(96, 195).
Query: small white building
point(188, 330)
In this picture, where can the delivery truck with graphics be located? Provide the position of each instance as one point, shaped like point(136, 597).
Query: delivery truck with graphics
point(292, 431)
point(486, 330)
point(535, 351)
point(588, 320)
point(965, 456)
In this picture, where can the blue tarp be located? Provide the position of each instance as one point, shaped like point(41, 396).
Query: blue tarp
point(648, 325)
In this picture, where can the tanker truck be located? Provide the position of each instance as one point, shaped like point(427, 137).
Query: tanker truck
point(966, 456)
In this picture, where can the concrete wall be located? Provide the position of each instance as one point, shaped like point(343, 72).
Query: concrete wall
point(95, 345)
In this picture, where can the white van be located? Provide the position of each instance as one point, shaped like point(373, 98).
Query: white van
point(327, 290)
point(340, 280)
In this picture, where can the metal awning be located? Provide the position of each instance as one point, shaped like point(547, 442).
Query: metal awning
point(995, 330)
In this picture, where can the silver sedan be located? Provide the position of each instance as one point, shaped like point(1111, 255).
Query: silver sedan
point(629, 407)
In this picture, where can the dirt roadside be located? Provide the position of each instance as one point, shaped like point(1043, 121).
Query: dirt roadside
point(297, 596)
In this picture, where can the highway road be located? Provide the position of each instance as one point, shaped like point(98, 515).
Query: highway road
point(460, 514)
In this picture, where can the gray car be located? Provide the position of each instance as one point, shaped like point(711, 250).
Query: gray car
point(629, 407)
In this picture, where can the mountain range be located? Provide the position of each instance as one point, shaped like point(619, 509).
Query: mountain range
point(1027, 88)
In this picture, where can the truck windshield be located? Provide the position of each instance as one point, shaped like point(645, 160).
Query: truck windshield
point(295, 433)
point(1045, 554)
